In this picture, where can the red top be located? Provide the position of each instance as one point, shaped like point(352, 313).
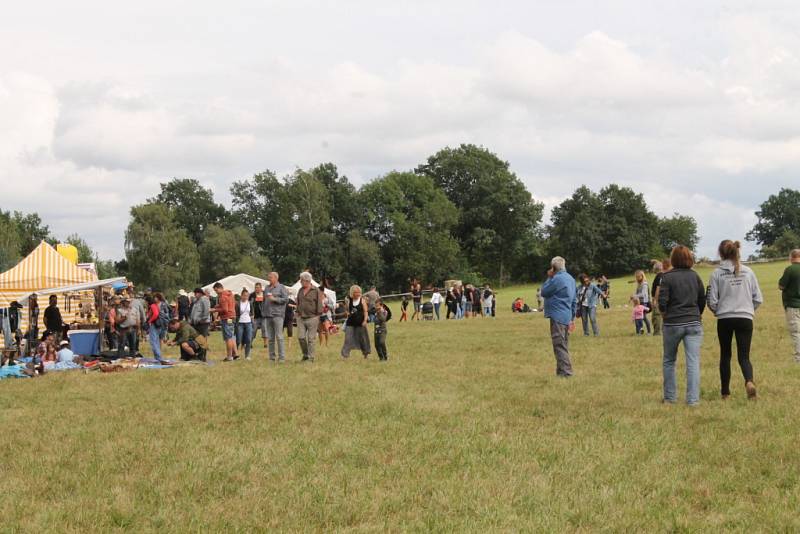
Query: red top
point(226, 306)
point(153, 315)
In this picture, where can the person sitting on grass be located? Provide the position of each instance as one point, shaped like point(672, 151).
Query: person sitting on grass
point(193, 345)
point(638, 315)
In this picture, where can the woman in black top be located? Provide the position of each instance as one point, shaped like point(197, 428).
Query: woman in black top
point(356, 335)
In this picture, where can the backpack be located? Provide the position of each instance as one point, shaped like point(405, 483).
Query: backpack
point(164, 315)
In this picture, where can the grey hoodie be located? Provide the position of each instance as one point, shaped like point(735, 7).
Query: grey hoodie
point(731, 296)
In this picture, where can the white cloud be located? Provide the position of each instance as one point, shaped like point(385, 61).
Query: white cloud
point(705, 127)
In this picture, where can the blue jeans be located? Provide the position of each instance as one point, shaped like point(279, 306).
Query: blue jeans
point(487, 311)
point(436, 310)
point(244, 337)
point(589, 314)
point(154, 336)
point(692, 337)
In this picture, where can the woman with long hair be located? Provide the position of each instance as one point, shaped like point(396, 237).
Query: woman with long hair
point(734, 296)
point(643, 294)
point(244, 323)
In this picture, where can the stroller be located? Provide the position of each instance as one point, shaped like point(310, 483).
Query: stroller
point(427, 311)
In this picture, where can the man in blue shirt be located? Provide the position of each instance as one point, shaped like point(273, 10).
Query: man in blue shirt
point(559, 306)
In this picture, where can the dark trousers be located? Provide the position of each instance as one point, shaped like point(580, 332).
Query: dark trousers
point(126, 337)
point(726, 330)
point(380, 345)
point(202, 329)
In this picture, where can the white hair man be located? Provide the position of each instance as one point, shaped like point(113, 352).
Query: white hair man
point(559, 306)
point(310, 302)
point(274, 312)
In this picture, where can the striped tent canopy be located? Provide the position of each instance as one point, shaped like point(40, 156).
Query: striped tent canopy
point(44, 268)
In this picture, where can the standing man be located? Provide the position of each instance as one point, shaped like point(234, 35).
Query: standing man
point(200, 313)
point(790, 291)
point(310, 301)
point(141, 307)
point(226, 308)
point(183, 305)
point(274, 312)
point(127, 320)
point(559, 306)
point(52, 319)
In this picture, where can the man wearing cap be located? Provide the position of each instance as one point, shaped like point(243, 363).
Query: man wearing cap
point(193, 345)
point(127, 320)
point(200, 312)
point(310, 302)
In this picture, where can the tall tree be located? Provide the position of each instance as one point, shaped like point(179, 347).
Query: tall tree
point(777, 214)
point(411, 220)
point(230, 251)
point(575, 231)
point(497, 214)
point(32, 231)
point(193, 206)
point(677, 230)
point(160, 254)
point(10, 242)
point(85, 252)
point(612, 232)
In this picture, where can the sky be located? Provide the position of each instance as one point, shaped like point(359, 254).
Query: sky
point(694, 104)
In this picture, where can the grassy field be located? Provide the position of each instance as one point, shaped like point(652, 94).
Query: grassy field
point(466, 428)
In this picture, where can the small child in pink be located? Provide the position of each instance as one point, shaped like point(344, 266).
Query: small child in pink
point(638, 316)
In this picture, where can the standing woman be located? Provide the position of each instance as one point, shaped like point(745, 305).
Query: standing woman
point(244, 322)
point(436, 300)
point(643, 294)
point(356, 335)
point(153, 330)
point(734, 296)
point(681, 300)
point(587, 300)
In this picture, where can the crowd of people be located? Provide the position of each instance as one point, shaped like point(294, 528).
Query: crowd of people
point(677, 301)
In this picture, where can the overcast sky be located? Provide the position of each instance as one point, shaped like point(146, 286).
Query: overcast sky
point(695, 104)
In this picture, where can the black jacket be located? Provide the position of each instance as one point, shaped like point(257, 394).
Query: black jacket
point(682, 298)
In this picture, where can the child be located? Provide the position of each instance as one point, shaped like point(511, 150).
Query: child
point(404, 309)
point(382, 315)
point(638, 316)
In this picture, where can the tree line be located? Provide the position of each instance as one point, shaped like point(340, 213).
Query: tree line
point(461, 214)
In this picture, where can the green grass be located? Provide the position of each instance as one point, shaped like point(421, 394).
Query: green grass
point(466, 428)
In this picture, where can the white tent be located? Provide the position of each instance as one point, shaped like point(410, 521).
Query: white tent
point(237, 281)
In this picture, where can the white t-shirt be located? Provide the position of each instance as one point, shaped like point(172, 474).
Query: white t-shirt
point(244, 312)
point(436, 298)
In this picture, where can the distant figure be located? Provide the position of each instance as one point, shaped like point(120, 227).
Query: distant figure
point(643, 294)
point(382, 315)
point(404, 309)
point(734, 296)
point(638, 316)
point(605, 287)
point(244, 323)
point(52, 319)
point(226, 308)
point(436, 300)
point(587, 304)
point(486, 300)
point(310, 305)
point(539, 298)
point(559, 307)
point(659, 268)
point(416, 295)
point(183, 305)
point(200, 314)
point(790, 292)
point(275, 301)
point(682, 299)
